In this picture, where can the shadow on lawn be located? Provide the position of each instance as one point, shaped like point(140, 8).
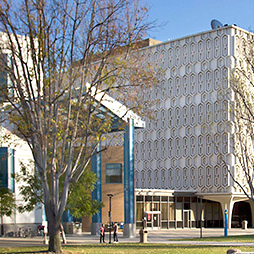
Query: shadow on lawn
point(27, 252)
point(143, 246)
point(127, 247)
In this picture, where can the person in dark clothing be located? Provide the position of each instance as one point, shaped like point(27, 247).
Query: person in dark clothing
point(102, 234)
point(115, 227)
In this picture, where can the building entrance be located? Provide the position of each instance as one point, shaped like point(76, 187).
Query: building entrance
point(241, 211)
point(153, 219)
point(186, 218)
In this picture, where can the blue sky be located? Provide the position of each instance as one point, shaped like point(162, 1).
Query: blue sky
point(186, 17)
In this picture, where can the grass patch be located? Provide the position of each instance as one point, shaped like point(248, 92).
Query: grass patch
point(236, 238)
point(24, 250)
point(128, 248)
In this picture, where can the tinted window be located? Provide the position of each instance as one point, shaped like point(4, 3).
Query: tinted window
point(113, 172)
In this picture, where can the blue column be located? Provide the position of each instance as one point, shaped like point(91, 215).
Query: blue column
point(226, 223)
point(96, 194)
point(129, 197)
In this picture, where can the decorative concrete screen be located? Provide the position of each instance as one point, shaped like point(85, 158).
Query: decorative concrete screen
point(184, 146)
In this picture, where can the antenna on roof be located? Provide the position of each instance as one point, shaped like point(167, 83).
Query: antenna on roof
point(215, 24)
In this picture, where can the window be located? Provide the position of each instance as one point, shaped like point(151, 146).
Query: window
point(139, 211)
point(164, 211)
point(140, 198)
point(171, 211)
point(3, 167)
point(113, 172)
point(3, 77)
point(7, 168)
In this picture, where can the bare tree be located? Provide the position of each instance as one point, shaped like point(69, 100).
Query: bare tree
point(242, 110)
point(59, 55)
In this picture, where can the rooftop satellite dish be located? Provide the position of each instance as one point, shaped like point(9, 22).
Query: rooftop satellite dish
point(215, 24)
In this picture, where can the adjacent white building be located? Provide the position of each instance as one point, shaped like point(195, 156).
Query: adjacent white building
point(13, 152)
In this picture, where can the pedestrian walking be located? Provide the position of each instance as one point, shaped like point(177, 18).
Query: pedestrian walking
point(102, 234)
point(115, 227)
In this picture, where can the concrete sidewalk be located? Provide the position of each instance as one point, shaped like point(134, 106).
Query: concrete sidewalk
point(155, 236)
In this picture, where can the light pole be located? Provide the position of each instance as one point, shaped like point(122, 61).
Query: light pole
point(2, 220)
point(109, 215)
point(201, 235)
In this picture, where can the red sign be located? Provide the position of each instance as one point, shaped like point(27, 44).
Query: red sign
point(148, 216)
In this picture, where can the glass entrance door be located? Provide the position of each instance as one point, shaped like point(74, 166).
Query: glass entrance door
point(186, 218)
point(153, 219)
point(156, 221)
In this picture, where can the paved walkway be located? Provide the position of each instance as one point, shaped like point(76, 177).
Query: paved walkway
point(156, 236)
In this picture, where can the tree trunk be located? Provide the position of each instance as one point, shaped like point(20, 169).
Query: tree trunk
point(54, 235)
point(55, 242)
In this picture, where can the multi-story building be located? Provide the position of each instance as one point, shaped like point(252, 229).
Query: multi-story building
point(183, 156)
point(185, 153)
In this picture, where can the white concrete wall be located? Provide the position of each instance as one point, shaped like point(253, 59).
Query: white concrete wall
point(22, 154)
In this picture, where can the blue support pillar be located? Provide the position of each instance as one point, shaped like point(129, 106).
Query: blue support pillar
point(226, 223)
point(96, 194)
point(129, 197)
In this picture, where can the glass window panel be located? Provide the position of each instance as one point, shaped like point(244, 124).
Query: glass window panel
point(148, 198)
point(171, 211)
point(4, 167)
point(171, 199)
point(7, 168)
point(156, 206)
point(148, 206)
point(179, 199)
point(164, 198)
point(113, 172)
point(139, 198)
point(139, 215)
point(156, 198)
point(194, 200)
point(186, 199)
point(164, 224)
point(186, 206)
point(3, 77)
point(164, 211)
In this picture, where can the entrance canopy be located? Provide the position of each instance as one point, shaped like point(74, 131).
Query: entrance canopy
point(109, 107)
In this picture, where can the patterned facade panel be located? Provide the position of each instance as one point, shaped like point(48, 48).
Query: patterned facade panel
point(193, 117)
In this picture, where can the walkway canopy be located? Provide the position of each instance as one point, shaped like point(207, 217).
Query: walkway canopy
point(109, 107)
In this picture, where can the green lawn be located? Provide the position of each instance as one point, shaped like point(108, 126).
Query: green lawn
point(242, 238)
point(130, 248)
